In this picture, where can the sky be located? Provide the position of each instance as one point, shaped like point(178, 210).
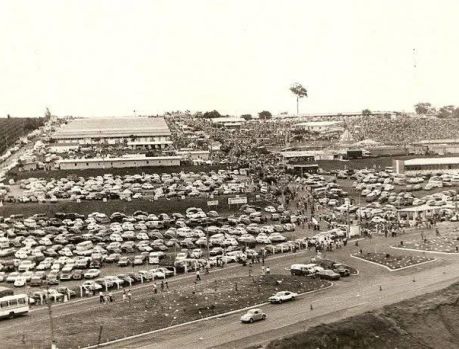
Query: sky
point(111, 58)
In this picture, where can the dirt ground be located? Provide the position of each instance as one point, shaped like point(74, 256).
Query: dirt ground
point(427, 321)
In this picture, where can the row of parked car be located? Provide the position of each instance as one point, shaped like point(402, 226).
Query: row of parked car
point(70, 246)
point(131, 186)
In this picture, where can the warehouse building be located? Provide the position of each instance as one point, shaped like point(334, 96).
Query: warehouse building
point(83, 164)
point(427, 165)
point(140, 132)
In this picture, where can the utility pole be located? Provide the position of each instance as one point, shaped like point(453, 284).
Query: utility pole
point(51, 324)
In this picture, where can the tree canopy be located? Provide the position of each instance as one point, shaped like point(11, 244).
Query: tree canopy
point(424, 108)
point(211, 114)
point(264, 115)
point(366, 112)
point(299, 91)
point(246, 117)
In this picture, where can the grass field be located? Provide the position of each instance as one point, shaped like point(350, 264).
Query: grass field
point(155, 311)
point(393, 262)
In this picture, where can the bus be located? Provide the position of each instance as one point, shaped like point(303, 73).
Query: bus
point(10, 306)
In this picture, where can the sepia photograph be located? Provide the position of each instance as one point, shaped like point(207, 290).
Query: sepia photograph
point(229, 174)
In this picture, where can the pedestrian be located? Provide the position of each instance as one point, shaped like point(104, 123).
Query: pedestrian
point(101, 297)
point(262, 270)
point(155, 289)
point(268, 270)
point(167, 285)
point(124, 296)
point(162, 286)
point(110, 297)
point(129, 295)
point(198, 275)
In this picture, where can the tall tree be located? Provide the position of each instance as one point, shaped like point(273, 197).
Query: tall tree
point(246, 117)
point(446, 111)
point(366, 112)
point(264, 115)
point(424, 108)
point(211, 114)
point(299, 91)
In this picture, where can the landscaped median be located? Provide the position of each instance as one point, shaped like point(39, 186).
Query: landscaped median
point(164, 309)
point(391, 261)
point(441, 244)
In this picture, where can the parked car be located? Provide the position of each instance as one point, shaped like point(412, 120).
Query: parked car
point(92, 274)
point(328, 274)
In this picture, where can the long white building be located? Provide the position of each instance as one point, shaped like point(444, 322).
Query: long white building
point(140, 132)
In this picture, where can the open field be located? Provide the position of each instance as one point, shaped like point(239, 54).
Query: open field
point(427, 321)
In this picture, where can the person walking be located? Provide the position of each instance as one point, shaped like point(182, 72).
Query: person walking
point(162, 286)
point(129, 295)
point(124, 296)
point(167, 285)
point(155, 288)
point(101, 297)
point(110, 297)
point(198, 275)
point(268, 271)
point(262, 270)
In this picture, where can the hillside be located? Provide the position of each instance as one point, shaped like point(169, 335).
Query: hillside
point(427, 321)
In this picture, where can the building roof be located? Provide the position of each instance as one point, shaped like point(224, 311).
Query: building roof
point(113, 127)
point(300, 153)
point(70, 161)
point(432, 161)
point(439, 141)
point(229, 119)
point(319, 123)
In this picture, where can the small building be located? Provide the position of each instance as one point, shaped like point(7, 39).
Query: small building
point(427, 165)
point(190, 154)
point(437, 146)
point(229, 122)
point(321, 126)
point(82, 164)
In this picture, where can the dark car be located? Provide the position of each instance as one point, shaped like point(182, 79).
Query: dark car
point(77, 274)
point(341, 270)
point(66, 277)
point(328, 274)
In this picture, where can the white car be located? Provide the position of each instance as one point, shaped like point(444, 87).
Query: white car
point(270, 209)
point(283, 296)
point(92, 274)
point(20, 281)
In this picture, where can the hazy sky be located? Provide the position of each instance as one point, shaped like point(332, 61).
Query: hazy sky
point(111, 57)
